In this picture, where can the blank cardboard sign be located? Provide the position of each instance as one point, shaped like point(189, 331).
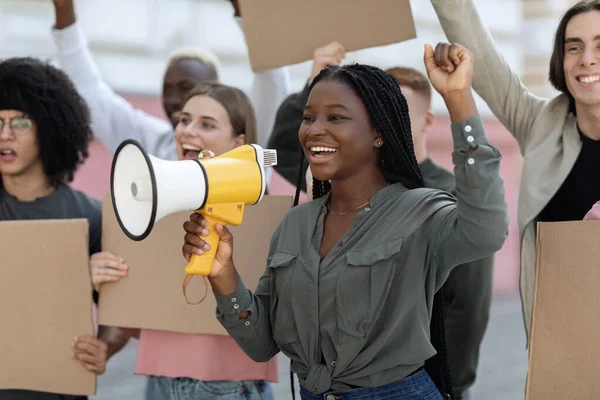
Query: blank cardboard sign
point(151, 296)
point(285, 32)
point(46, 298)
point(565, 333)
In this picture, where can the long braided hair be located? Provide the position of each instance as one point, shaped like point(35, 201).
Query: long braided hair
point(388, 112)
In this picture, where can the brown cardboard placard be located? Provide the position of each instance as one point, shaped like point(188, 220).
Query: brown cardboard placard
point(151, 296)
point(280, 32)
point(565, 329)
point(46, 298)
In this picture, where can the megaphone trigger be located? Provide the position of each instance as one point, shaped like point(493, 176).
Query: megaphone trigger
point(223, 214)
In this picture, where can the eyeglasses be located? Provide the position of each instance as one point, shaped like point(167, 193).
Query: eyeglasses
point(19, 125)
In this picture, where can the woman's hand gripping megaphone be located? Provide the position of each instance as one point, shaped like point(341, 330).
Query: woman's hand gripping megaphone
point(196, 228)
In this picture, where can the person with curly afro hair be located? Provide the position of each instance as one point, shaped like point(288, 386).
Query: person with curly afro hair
point(44, 137)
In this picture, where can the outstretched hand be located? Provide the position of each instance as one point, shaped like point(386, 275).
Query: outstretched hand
point(449, 67)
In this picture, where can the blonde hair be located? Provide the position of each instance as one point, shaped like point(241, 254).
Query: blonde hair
point(206, 57)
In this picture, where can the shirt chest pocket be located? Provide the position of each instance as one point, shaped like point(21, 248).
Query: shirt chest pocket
point(283, 322)
point(363, 287)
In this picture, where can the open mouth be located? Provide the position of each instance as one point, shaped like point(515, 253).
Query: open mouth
point(320, 152)
point(7, 155)
point(190, 152)
point(591, 79)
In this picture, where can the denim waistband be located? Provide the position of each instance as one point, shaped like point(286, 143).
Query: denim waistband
point(412, 383)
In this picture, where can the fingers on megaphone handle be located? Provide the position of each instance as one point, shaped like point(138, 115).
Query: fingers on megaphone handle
point(224, 233)
point(197, 229)
point(199, 219)
point(194, 244)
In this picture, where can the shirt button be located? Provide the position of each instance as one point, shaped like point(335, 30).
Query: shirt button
point(367, 209)
point(333, 363)
point(233, 299)
point(471, 161)
point(470, 139)
point(247, 323)
point(236, 306)
point(468, 128)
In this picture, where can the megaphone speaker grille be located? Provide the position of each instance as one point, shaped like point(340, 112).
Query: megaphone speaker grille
point(133, 190)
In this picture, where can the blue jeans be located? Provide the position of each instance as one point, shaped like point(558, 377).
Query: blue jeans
point(415, 387)
point(164, 388)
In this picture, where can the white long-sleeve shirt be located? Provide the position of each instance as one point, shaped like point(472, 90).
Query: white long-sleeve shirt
point(114, 119)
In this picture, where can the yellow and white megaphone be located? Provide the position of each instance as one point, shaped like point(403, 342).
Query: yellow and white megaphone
point(145, 189)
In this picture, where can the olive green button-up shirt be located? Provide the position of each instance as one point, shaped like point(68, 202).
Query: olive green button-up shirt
point(361, 316)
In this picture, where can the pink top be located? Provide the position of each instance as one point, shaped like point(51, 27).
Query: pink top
point(206, 357)
point(201, 357)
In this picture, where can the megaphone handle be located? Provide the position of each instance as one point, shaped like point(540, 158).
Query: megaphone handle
point(201, 265)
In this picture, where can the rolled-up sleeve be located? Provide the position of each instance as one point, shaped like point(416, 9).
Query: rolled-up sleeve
point(253, 334)
point(114, 119)
point(476, 225)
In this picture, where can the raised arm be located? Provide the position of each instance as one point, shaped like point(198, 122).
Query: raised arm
point(113, 118)
point(436, 176)
point(269, 89)
point(494, 80)
point(476, 225)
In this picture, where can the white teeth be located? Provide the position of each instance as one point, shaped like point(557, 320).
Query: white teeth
point(188, 147)
point(329, 149)
point(589, 79)
point(6, 152)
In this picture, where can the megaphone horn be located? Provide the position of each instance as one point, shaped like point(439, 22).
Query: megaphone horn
point(145, 189)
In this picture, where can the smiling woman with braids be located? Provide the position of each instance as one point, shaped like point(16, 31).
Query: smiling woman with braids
point(351, 276)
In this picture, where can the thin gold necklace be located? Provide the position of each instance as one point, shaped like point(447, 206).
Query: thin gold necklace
point(354, 209)
point(346, 212)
